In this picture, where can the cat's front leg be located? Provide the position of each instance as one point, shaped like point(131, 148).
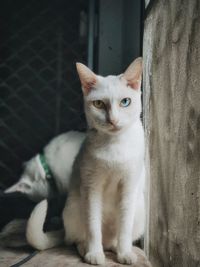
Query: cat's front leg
point(93, 218)
point(125, 254)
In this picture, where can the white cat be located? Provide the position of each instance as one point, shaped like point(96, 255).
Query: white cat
point(59, 157)
point(105, 207)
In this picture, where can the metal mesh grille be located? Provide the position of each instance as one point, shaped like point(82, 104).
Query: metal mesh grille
point(40, 94)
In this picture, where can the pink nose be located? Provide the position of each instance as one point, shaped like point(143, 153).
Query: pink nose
point(113, 121)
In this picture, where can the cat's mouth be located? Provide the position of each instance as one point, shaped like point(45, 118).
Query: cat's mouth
point(115, 129)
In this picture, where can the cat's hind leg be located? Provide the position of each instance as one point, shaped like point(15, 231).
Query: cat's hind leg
point(139, 219)
point(73, 221)
point(81, 247)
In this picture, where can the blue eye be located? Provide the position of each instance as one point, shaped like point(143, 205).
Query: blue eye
point(125, 102)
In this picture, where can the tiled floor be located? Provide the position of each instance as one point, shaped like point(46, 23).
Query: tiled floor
point(60, 257)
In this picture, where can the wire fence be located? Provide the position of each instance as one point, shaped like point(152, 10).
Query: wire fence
point(40, 94)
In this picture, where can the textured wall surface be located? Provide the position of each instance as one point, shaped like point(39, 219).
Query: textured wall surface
point(172, 120)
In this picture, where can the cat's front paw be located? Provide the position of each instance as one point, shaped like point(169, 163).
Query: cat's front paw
point(127, 258)
point(95, 257)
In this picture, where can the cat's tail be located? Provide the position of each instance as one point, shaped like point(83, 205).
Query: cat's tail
point(35, 235)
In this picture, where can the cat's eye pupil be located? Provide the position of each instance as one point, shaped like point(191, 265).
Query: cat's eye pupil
point(125, 102)
point(98, 103)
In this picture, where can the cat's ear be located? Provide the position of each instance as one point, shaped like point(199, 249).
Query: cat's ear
point(87, 77)
point(133, 74)
point(18, 187)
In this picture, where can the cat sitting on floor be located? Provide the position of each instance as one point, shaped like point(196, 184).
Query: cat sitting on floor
point(46, 175)
point(105, 205)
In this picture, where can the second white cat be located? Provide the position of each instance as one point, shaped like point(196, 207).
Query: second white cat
point(59, 155)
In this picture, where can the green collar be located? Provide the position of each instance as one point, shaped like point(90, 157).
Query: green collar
point(45, 166)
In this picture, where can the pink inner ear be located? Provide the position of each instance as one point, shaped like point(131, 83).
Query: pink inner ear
point(87, 77)
point(87, 85)
point(133, 74)
point(135, 84)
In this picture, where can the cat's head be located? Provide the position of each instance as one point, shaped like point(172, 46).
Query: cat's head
point(112, 103)
point(33, 181)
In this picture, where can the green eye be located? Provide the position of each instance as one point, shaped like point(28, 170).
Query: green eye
point(98, 104)
point(125, 102)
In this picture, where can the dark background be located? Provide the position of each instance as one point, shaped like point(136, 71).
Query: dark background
point(40, 41)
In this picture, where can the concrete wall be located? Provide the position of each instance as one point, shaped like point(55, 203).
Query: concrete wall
point(172, 126)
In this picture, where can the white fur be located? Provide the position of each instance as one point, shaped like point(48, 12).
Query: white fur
point(105, 206)
point(34, 233)
point(60, 154)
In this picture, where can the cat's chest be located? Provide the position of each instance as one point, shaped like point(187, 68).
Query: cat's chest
point(111, 195)
point(119, 152)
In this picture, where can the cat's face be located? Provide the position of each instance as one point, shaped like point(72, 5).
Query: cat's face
point(33, 181)
point(112, 103)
